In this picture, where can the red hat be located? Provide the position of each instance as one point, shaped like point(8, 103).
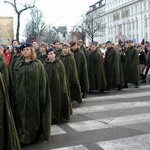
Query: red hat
point(73, 43)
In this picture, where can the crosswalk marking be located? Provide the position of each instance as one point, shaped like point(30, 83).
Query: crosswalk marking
point(108, 107)
point(129, 119)
point(55, 130)
point(141, 142)
point(119, 121)
point(76, 147)
point(123, 120)
point(119, 96)
point(88, 125)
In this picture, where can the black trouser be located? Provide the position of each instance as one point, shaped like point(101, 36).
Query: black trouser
point(146, 72)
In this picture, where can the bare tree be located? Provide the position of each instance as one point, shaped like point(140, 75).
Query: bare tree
point(36, 27)
point(23, 7)
point(77, 33)
point(90, 25)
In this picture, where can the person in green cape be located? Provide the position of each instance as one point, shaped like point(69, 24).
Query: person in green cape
point(4, 67)
point(58, 47)
point(81, 64)
point(96, 69)
point(60, 94)
point(43, 56)
point(32, 97)
point(67, 57)
point(16, 56)
point(36, 47)
point(131, 69)
point(8, 135)
point(83, 48)
point(113, 67)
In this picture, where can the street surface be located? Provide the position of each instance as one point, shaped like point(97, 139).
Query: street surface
point(118, 120)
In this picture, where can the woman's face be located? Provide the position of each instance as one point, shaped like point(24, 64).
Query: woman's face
point(51, 55)
point(27, 52)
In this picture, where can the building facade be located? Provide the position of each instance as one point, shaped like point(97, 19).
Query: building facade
point(6, 30)
point(122, 19)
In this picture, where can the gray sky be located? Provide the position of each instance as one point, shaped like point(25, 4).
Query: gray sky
point(55, 12)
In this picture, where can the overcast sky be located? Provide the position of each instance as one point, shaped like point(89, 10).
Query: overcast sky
point(55, 12)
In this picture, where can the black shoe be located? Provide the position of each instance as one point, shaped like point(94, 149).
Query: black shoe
point(119, 87)
point(101, 91)
point(84, 95)
point(90, 91)
point(143, 81)
point(137, 85)
point(107, 88)
point(125, 85)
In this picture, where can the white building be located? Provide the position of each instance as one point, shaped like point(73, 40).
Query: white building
point(122, 19)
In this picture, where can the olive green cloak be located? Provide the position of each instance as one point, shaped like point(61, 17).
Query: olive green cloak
point(58, 52)
point(8, 135)
point(113, 68)
point(96, 71)
point(33, 101)
point(15, 58)
point(42, 57)
point(83, 49)
point(60, 95)
point(37, 51)
point(4, 70)
point(72, 76)
point(81, 64)
point(131, 68)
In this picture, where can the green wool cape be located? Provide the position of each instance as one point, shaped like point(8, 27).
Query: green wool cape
point(113, 68)
point(33, 101)
point(37, 51)
point(60, 94)
point(81, 64)
point(96, 71)
point(72, 76)
point(131, 68)
point(42, 57)
point(58, 52)
point(8, 135)
point(14, 59)
point(83, 49)
point(4, 70)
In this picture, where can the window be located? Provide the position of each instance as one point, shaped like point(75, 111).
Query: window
point(145, 21)
point(129, 25)
point(136, 23)
point(132, 24)
point(145, 6)
point(135, 9)
point(132, 11)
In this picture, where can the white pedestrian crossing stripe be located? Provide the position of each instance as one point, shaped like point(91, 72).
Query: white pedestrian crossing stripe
point(119, 121)
point(88, 125)
point(140, 142)
point(108, 107)
point(77, 147)
point(119, 96)
point(55, 130)
point(129, 119)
